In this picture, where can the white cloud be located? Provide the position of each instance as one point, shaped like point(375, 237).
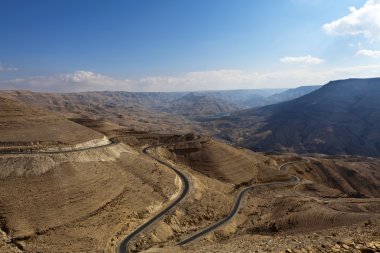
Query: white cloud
point(352, 8)
point(7, 69)
point(74, 82)
point(201, 80)
point(363, 21)
point(368, 53)
point(357, 45)
point(308, 59)
point(238, 79)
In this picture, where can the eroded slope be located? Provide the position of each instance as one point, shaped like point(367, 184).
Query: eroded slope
point(82, 201)
point(23, 126)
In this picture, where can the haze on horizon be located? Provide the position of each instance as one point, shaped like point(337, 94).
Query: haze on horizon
point(186, 45)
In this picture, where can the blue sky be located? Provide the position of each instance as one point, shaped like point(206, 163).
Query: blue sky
point(169, 45)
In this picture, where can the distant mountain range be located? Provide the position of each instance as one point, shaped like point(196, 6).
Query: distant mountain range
point(193, 105)
point(196, 105)
point(342, 117)
point(292, 94)
point(244, 98)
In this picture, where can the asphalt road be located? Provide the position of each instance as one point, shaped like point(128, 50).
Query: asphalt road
point(234, 210)
point(123, 245)
point(31, 152)
point(237, 204)
point(283, 166)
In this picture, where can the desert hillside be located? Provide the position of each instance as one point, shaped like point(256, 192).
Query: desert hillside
point(342, 117)
point(330, 195)
point(24, 126)
point(136, 111)
point(81, 201)
point(193, 105)
point(193, 126)
point(152, 111)
point(224, 162)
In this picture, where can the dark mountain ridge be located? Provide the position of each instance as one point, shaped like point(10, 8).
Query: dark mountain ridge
point(292, 93)
point(342, 117)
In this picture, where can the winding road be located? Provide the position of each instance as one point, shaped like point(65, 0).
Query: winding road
point(237, 204)
point(234, 209)
point(284, 165)
point(123, 245)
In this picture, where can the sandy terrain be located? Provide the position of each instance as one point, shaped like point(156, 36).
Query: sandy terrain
point(87, 201)
point(83, 202)
point(268, 211)
point(135, 111)
point(224, 162)
point(361, 237)
point(23, 126)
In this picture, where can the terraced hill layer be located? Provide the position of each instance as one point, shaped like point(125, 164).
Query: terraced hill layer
point(328, 195)
point(136, 111)
point(25, 126)
point(79, 201)
point(226, 163)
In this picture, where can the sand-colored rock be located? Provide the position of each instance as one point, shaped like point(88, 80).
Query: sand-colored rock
point(26, 127)
point(82, 202)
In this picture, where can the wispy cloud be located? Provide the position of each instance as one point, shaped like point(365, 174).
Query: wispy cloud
point(363, 21)
point(307, 59)
point(73, 82)
point(368, 53)
point(7, 69)
point(201, 80)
